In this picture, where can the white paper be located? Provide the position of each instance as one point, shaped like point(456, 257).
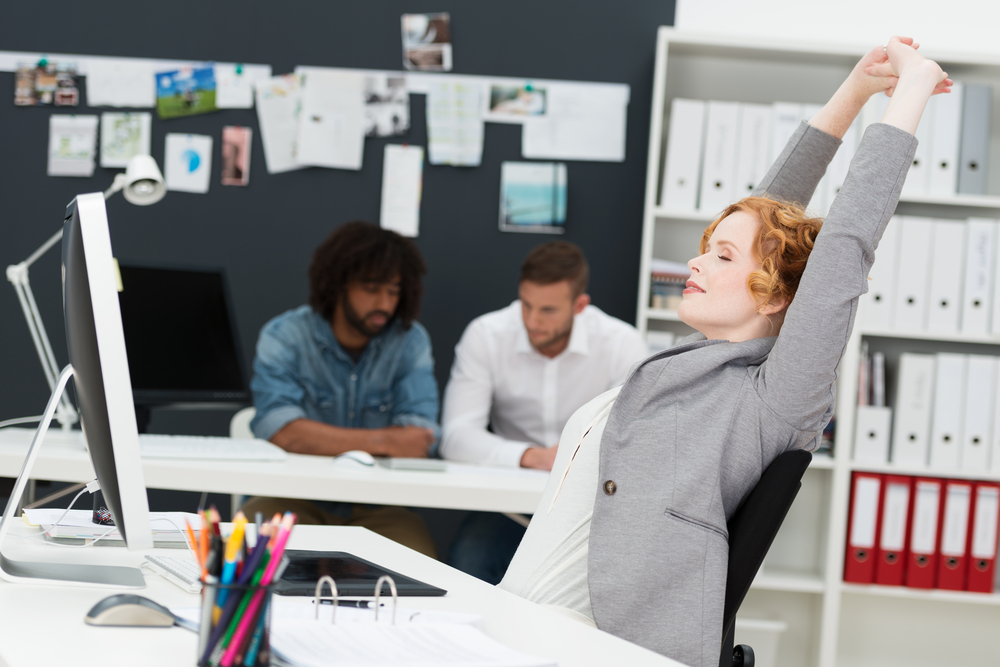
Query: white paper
point(310, 643)
point(124, 135)
point(332, 123)
point(121, 82)
point(79, 523)
point(72, 142)
point(279, 105)
point(402, 175)
point(387, 105)
point(234, 89)
point(187, 162)
point(455, 123)
point(295, 608)
point(584, 122)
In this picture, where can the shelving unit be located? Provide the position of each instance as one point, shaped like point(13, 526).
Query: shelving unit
point(829, 622)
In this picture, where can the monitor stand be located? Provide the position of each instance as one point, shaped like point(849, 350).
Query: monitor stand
point(28, 572)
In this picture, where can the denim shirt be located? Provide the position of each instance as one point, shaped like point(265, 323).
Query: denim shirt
point(301, 371)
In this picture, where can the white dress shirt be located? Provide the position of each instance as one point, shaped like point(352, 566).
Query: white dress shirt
point(499, 379)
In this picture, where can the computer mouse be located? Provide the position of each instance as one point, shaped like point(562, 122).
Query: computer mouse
point(128, 609)
point(354, 458)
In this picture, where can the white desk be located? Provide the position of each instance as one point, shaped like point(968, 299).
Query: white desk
point(62, 458)
point(43, 625)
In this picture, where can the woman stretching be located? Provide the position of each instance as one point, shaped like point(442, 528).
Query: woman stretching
point(630, 533)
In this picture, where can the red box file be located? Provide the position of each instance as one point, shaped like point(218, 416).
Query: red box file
point(953, 544)
point(894, 508)
point(862, 528)
point(983, 537)
point(925, 506)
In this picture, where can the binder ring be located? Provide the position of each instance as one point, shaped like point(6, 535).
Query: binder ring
point(317, 598)
point(378, 592)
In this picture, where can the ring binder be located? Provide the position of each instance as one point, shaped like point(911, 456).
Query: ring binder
point(334, 597)
point(378, 592)
point(318, 599)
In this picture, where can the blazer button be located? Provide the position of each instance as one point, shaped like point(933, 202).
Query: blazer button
point(610, 487)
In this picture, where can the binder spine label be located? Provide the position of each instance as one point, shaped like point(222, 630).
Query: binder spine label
point(984, 542)
point(925, 517)
point(956, 520)
point(897, 501)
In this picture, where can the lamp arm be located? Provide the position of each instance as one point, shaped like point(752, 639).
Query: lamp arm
point(116, 185)
point(17, 274)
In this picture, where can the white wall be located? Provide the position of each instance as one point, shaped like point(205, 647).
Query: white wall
point(961, 26)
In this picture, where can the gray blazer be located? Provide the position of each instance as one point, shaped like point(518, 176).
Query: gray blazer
point(694, 426)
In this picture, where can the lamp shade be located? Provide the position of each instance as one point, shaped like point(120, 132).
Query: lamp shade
point(143, 181)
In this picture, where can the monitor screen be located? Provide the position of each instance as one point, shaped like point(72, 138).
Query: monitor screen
point(183, 347)
point(101, 376)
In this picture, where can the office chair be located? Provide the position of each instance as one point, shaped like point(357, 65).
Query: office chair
point(751, 532)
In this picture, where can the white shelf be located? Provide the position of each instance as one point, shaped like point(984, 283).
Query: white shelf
point(933, 595)
point(822, 462)
point(680, 214)
point(660, 314)
point(979, 339)
point(924, 471)
point(788, 580)
point(974, 201)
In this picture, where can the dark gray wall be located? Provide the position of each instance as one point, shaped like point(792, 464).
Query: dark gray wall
point(263, 234)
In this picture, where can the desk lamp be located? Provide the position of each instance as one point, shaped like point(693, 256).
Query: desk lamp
point(142, 185)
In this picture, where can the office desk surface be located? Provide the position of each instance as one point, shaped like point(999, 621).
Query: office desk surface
point(43, 625)
point(63, 458)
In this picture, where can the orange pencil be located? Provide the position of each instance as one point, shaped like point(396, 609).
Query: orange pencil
point(203, 547)
point(192, 542)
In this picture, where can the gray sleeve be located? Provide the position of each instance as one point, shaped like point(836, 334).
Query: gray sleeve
point(797, 380)
point(795, 174)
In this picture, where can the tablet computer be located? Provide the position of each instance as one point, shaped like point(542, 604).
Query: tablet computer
point(354, 576)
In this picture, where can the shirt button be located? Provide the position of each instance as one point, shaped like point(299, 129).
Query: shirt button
point(354, 377)
point(383, 408)
point(610, 487)
point(350, 414)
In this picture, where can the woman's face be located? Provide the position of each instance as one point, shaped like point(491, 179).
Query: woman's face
point(716, 300)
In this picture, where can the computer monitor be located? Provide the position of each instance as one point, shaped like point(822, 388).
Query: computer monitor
point(182, 341)
point(100, 366)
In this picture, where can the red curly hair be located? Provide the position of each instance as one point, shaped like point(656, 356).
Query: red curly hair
point(782, 245)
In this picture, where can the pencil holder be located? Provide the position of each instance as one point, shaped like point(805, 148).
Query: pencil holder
point(235, 626)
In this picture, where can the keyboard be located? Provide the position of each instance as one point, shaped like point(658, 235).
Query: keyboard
point(182, 572)
point(208, 448)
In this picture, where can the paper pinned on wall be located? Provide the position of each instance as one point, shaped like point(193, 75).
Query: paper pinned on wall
point(584, 122)
point(279, 104)
point(185, 92)
point(236, 144)
point(402, 183)
point(387, 105)
point(187, 162)
point(121, 82)
point(533, 197)
point(332, 122)
point(124, 135)
point(72, 143)
point(234, 84)
point(455, 123)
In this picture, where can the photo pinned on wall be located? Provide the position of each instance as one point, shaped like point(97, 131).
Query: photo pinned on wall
point(427, 42)
point(515, 104)
point(236, 143)
point(124, 135)
point(45, 84)
point(533, 197)
point(387, 105)
point(185, 92)
point(72, 144)
point(187, 162)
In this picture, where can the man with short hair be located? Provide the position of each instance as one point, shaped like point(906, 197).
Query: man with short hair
point(351, 371)
point(518, 376)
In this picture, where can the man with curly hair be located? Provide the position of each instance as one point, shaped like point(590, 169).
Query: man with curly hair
point(351, 371)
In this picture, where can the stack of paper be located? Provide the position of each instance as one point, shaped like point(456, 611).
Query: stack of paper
point(78, 526)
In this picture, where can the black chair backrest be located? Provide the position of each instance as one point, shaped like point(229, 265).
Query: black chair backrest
point(756, 522)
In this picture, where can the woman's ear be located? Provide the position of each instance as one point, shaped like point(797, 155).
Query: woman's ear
point(775, 306)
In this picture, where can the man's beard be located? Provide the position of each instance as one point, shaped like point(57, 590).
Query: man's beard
point(360, 323)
